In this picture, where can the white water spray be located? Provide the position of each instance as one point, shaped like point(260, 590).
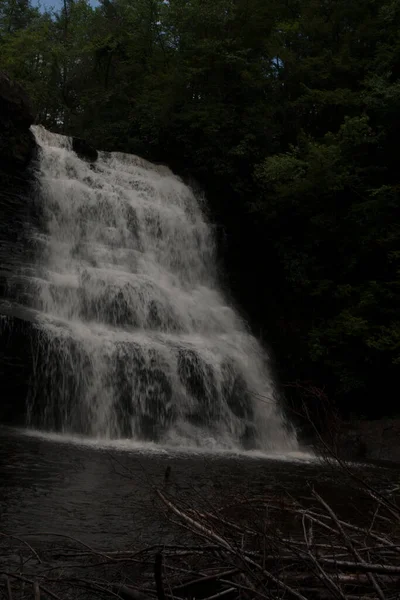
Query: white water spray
point(136, 338)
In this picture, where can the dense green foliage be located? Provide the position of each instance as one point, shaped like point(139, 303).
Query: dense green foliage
point(287, 112)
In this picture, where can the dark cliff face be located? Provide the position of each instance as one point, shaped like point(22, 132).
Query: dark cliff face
point(17, 144)
point(21, 344)
point(17, 154)
point(84, 150)
point(18, 213)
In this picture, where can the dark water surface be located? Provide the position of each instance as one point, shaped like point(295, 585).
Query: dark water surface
point(104, 495)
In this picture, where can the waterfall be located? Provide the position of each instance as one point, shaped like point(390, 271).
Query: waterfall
point(135, 338)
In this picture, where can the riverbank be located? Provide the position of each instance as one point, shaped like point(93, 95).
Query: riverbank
point(360, 439)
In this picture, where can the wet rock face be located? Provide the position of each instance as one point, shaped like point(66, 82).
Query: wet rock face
point(142, 393)
point(18, 338)
point(199, 380)
point(84, 150)
point(18, 214)
point(17, 149)
point(17, 143)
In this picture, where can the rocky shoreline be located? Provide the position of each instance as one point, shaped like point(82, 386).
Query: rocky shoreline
point(370, 440)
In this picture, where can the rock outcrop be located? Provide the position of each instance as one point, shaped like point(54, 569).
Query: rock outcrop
point(84, 150)
point(17, 143)
point(18, 214)
point(371, 440)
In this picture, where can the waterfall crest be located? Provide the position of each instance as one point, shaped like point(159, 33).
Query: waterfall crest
point(135, 337)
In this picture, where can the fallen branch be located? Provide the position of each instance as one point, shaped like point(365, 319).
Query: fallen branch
point(351, 547)
point(227, 546)
point(25, 580)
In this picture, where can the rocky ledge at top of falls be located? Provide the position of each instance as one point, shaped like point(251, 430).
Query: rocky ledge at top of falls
point(17, 143)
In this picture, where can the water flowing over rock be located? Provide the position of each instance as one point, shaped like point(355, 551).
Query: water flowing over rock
point(130, 334)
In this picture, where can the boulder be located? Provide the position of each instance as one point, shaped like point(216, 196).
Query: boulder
point(17, 143)
point(84, 150)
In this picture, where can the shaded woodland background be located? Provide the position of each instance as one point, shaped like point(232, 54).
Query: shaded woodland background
point(286, 113)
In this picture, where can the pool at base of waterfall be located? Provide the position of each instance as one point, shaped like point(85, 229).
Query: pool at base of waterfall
point(103, 493)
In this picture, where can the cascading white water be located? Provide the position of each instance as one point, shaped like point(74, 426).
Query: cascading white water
point(136, 337)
